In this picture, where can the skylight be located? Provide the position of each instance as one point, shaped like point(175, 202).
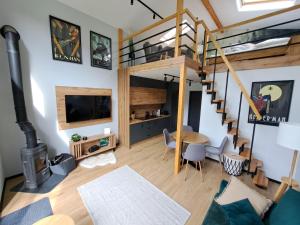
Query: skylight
point(255, 5)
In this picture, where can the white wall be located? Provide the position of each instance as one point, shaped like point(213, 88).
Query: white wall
point(41, 74)
point(276, 161)
point(1, 175)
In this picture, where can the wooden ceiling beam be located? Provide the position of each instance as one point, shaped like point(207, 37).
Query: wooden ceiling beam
point(212, 13)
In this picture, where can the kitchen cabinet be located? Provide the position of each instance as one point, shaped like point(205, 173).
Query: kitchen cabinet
point(143, 130)
point(147, 96)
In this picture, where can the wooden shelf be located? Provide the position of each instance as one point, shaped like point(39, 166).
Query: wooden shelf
point(80, 149)
point(233, 131)
point(255, 164)
point(220, 110)
point(246, 153)
point(218, 101)
point(241, 142)
point(260, 179)
point(135, 121)
point(227, 121)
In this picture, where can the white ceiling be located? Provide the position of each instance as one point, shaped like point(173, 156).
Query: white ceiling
point(120, 14)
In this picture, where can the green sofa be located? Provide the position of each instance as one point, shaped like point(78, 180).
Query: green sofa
point(286, 212)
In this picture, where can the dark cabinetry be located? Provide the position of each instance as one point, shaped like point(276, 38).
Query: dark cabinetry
point(147, 129)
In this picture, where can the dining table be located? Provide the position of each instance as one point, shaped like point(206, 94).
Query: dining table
point(191, 137)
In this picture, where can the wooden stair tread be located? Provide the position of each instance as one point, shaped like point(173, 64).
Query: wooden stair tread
point(207, 81)
point(218, 101)
point(246, 153)
point(220, 110)
point(260, 179)
point(233, 131)
point(255, 163)
point(227, 121)
point(242, 141)
point(210, 91)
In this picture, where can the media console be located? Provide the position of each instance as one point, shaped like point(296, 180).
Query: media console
point(80, 149)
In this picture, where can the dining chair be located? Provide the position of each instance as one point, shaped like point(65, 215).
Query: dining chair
point(187, 128)
point(170, 143)
point(194, 153)
point(218, 151)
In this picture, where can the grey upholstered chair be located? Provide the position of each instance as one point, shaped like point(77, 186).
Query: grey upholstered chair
point(187, 128)
point(169, 142)
point(218, 151)
point(194, 153)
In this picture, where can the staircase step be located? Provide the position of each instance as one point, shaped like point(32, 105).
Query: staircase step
point(260, 179)
point(246, 153)
point(209, 91)
point(255, 164)
point(220, 110)
point(233, 131)
point(241, 142)
point(207, 81)
point(227, 121)
point(217, 101)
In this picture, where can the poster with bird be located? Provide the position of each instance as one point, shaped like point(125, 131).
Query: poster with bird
point(273, 100)
point(101, 55)
point(66, 40)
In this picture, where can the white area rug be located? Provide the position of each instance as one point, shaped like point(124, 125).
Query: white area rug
point(123, 197)
point(100, 160)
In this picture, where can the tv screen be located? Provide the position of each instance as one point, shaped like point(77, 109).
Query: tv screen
point(86, 107)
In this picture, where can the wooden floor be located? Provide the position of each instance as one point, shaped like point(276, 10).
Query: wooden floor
point(146, 158)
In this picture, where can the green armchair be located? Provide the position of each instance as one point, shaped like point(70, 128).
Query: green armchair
point(286, 212)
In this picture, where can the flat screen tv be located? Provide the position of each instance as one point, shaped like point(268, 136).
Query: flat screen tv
point(87, 107)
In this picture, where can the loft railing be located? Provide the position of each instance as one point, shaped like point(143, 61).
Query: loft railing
point(208, 38)
point(233, 73)
point(125, 52)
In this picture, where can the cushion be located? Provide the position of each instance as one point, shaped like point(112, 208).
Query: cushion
point(236, 190)
point(215, 216)
point(241, 212)
point(287, 210)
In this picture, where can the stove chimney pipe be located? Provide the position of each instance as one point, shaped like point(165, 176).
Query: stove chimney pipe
point(12, 38)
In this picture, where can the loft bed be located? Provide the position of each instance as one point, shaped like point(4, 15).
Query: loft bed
point(265, 42)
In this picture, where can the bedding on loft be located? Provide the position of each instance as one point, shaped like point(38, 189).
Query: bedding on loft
point(270, 43)
point(234, 42)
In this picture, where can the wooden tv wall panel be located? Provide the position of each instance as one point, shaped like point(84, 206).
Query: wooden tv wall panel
point(62, 91)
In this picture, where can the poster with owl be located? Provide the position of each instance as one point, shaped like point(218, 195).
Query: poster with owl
point(273, 101)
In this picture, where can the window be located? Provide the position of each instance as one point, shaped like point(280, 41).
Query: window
point(254, 5)
point(185, 29)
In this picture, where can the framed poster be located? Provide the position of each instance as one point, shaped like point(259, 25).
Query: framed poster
point(101, 55)
point(66, 40)
point(273, 101)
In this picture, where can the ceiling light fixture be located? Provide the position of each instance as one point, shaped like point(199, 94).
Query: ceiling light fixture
point(153, 16)
point(131, 2)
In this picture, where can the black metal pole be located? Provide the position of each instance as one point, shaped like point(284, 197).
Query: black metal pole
point(225, 98)
point(12, 38)
point(252, 142)
point(238, 122)
point(214, 76)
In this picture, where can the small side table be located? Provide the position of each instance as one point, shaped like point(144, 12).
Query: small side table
point(58, 219)
point(233, 163)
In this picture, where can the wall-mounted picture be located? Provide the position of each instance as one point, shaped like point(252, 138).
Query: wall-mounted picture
point(273, 101)
point(101, 55)
point(66, 40)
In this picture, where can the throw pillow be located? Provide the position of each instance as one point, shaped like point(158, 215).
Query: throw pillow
point(236, 190)
point(241, 212)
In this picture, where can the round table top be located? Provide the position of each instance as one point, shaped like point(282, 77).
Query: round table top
point(56, 220)
point(191, 137)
